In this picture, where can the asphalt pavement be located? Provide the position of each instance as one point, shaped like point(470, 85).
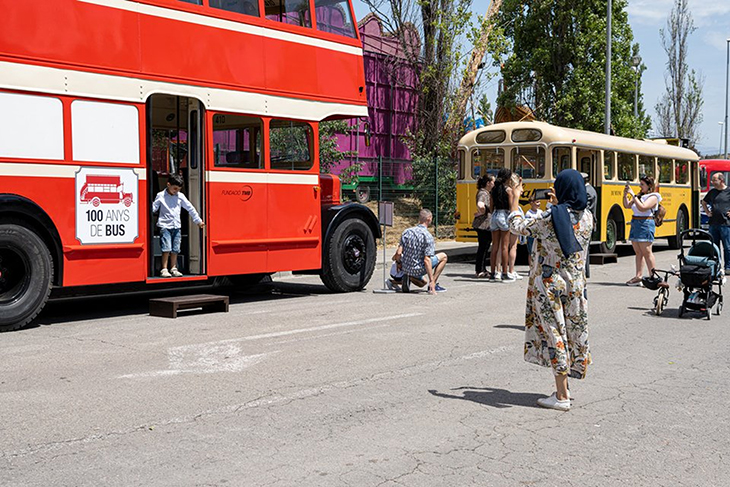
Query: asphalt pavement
point(296, 386)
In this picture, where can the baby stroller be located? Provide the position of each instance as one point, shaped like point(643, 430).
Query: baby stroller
point(700, 273)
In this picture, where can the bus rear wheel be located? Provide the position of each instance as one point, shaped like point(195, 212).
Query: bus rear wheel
point(26, 272)
point(349, 257)
point(609, 246)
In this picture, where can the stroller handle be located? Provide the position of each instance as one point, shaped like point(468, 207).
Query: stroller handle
point(696, 234)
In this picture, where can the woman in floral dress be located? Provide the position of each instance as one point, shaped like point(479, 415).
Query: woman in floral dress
point(556, 331)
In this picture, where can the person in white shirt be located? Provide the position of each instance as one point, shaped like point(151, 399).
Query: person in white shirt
point(643, 227)
point(168, 203)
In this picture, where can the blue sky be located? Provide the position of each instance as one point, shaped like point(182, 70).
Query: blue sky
point(707, 55)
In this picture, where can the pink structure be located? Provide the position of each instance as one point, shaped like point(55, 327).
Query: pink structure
point(391, 84)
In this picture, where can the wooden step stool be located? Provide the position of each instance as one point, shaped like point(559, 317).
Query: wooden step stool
point(168, 307)
point(600, 259)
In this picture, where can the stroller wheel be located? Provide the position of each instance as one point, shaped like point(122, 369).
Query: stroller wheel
point(718, 307)
point(708, 311)
point(681, 311)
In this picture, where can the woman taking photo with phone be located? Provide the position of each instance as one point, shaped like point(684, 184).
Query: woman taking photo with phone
point(643, 227)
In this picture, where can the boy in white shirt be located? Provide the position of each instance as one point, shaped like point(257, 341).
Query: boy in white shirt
point(168, 202)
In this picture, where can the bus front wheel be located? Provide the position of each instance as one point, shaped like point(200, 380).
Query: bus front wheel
point(609, 246)
point(26, 272)
point(349, 258)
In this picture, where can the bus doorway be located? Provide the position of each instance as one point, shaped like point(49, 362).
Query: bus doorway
point(174, 138)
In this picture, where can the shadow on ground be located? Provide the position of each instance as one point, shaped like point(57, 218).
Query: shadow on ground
point(490, 396)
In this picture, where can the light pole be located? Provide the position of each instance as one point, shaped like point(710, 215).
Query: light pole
point(727, 72)
point(607, 123)
point(719, 151)
point(636, 63)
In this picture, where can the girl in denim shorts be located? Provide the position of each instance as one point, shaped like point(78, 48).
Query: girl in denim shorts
point(643, 227)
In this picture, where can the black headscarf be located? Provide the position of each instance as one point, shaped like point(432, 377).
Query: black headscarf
point(570, 189)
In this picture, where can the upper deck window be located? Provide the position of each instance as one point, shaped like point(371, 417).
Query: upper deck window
point(334, 16)
point(246, 7)
point(194, 2)
point(526, 135)
point(491, 137)
point(292, 12)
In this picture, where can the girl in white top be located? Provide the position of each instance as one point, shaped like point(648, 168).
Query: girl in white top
point(643, 206)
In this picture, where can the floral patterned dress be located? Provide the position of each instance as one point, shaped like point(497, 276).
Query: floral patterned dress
point(556, 321)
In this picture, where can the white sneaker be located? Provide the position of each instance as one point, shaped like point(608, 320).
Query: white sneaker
point(552, 402)
point(508, 278)
point(497, 276)
point(516, 276)
point(175, 272)
point(165, 273)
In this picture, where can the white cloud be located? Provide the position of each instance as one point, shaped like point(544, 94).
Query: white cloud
point(655, 12)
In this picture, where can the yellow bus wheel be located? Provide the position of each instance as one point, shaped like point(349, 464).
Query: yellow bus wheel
point(609, 246)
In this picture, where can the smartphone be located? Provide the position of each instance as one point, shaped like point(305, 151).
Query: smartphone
point(542, 194)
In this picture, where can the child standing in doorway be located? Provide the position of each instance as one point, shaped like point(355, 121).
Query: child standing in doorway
point(168, 202)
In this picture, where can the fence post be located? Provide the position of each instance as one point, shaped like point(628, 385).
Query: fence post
point(380, 178)
point(436, 209)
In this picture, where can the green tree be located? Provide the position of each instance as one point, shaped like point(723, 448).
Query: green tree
point(557, 64)
point(329, 151)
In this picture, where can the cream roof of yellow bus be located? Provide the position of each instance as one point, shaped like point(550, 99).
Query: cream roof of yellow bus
point(553, 134)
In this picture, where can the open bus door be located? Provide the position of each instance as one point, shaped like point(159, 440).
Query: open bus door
point(175, 128)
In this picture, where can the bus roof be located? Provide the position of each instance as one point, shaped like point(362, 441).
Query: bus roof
point(554, 135)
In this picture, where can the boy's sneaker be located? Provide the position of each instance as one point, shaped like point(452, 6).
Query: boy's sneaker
point(552, 402)
point(508, 278)
point(175, 272)
point(165, 273)
point(440, 289)
point(497, 276)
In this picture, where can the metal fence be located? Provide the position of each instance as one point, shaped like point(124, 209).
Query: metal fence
point(410, 185)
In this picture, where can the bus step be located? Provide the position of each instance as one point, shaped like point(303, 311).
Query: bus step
point(600, 259)
point(168, 307)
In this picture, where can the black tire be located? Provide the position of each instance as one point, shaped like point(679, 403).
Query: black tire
point(680, 313)
point(609, 246)
point(349, 257)
point(26, 274)
point(659, 303)
point(362, 194)
point(675, 242)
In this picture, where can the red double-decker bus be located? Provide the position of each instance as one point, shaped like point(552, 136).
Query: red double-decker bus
point(102, 100)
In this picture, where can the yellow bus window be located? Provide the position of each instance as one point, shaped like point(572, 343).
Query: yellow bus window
point(529, 162)
point(462, 164)
point(646, 166)
point(665, 170)
point(486, 160)
point(491, 137)
point(609, 160)
point(561, 159)
point(682, 170)
point(626, 166)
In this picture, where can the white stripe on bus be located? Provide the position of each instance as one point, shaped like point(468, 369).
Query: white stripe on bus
point(51, 170)
point(191, 18)
point(41, 79)
point(261, 178)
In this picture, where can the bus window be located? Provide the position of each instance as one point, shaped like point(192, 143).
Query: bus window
point(665, 170)
point(462, 165)
point(609, 164)
point(334, 16)
point(290, 145)
point(292, 12)
point(237, 141)
point(194, 2)
point(491, 137)
point(561, 159)
point(529, 162)
point(626, 166)
point(486, 160)
point(646, 166)
point(682, 171)
point(704, 181)
point(247, 7)
point(526, 135)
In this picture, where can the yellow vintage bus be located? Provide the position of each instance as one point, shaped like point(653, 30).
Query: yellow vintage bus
point(538, 151)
